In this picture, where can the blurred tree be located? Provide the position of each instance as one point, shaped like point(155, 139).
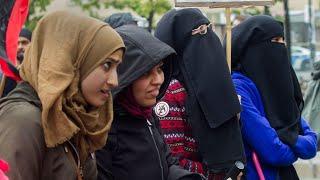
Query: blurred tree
point(145, 8)
point(266, 10)
point(252, 11)
point(91, 6)
point(35, 9)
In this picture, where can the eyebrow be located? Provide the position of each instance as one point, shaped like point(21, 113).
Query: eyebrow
point(114, 60)
point(23, 41)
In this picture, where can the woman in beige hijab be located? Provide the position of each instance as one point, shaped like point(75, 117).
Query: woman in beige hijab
point(61, 112)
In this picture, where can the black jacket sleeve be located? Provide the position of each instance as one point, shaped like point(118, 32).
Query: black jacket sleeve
point(104, 159)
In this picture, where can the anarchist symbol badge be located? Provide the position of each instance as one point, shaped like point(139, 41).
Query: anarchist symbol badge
point(161, 109)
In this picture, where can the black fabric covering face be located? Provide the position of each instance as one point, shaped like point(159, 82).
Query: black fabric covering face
point(212, 104)
point(267, 64)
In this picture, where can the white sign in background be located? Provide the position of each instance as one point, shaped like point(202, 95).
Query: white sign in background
point(222, 3)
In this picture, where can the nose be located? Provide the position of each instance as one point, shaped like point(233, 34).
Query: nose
point(157, 78)
point(19, 45)
point(112, 80)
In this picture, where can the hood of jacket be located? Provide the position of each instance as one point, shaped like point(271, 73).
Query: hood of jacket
point(22, 93)
point(143, 52)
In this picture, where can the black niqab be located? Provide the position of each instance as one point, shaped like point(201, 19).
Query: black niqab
point(203, 60)
point(212, 102)
point(267, 64)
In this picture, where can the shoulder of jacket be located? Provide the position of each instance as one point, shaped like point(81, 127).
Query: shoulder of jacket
point(21, 114)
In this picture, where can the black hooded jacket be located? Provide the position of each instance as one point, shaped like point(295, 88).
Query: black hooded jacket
point(135, 150)
point(212, 103)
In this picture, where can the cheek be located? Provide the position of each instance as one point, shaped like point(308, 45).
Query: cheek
point(92, 83)
point(85, 88)
point(162, 77)
point(139, 90)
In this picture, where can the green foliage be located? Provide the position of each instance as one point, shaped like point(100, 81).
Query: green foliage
point(36, 6)
point(279, 18)
point(236, 11)
point(142, 7)
point(252, 11)
point(89, 5)
point(145, 8)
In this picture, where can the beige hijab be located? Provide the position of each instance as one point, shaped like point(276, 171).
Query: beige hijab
point(65, 48)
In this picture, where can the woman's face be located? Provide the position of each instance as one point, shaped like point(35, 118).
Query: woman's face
point(97, 85)
point(146, 88)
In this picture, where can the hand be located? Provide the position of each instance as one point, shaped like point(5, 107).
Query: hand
point(239, 176)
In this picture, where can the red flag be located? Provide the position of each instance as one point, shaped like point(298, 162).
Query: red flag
point(13, 15)
point(4, 167)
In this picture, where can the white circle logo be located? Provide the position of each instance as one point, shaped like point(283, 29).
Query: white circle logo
point(161, 109)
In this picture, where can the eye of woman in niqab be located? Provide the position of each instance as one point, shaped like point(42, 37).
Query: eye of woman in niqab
point(278, 39)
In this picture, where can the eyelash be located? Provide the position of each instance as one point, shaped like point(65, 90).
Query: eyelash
point(107, 66)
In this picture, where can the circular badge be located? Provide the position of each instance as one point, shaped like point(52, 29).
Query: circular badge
point(161, 109)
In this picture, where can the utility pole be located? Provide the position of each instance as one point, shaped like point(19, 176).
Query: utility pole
point(311, 33)
point(287, 27)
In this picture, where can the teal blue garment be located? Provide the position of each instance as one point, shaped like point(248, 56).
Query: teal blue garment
point(312, 105)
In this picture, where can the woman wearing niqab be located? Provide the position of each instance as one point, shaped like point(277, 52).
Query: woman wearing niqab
point(200, 126)
point(271, 100)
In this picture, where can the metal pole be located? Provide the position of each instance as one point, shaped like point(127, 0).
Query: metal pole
point(228, 50)
point(287, 27)
point(311, 32)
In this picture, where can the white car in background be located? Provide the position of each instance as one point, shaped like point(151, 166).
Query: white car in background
point(301, 58)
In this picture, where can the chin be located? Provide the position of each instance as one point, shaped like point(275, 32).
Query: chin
point(97, 103)
point(149, 104)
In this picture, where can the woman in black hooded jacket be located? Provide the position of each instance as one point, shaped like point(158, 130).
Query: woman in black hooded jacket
point(135, 150)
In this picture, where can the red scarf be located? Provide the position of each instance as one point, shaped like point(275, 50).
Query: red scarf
point(4, 167)
point(127, 101)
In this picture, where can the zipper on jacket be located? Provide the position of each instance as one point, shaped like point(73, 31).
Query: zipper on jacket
point(155, 144)
point(78, 159)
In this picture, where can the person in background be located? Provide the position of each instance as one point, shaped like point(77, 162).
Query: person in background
point(274, 133)
point(311, 110)
point(135, 150)
point(198, 113)
point(7, 84)
point(120, 19)
point(61, 112)
point(23, 41)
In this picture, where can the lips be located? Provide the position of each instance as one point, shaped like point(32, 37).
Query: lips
point(154, 92)
point(105, 92)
